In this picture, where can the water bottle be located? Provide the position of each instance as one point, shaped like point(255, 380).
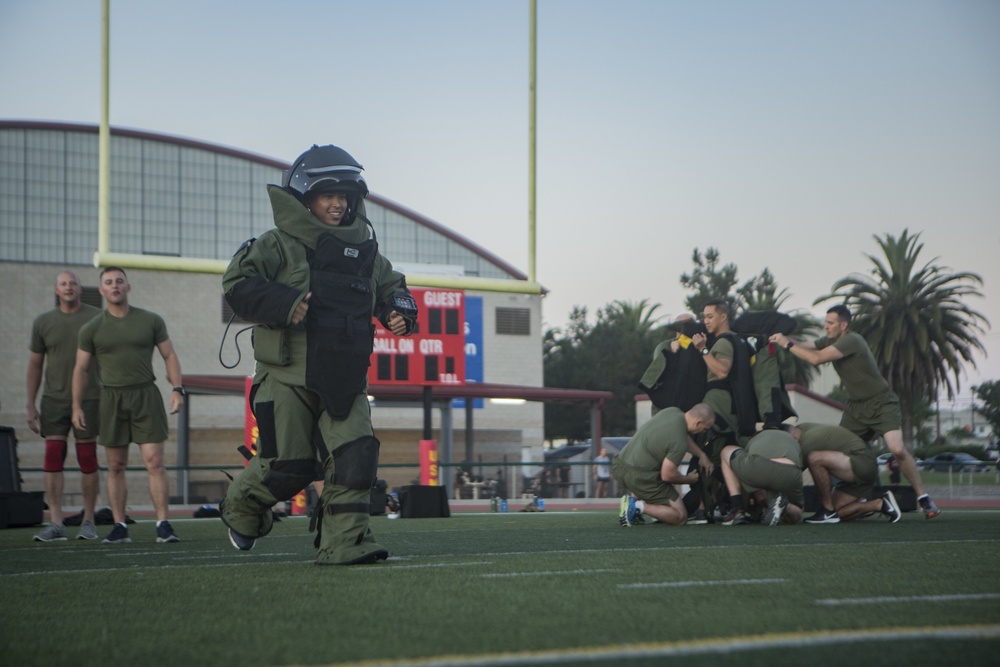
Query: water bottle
point(541, 503)
point(493, 504)
point(503, 504)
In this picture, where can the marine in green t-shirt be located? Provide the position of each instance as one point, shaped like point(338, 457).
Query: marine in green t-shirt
point(872, 408)
point(649, 465)
point(54, 337)
point(121, 340)
point(831, 451)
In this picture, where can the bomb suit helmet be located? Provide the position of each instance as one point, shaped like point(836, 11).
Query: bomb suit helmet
point(325, 169)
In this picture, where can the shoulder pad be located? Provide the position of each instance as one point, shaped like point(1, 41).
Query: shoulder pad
point(245, 246)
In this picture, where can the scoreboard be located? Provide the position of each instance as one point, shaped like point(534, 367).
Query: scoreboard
point(434, 353)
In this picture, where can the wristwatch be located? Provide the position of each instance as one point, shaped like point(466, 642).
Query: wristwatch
point(181, 390)
point(704, 352)
point(789, 345)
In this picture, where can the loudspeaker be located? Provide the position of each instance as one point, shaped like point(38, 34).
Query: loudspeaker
point(905, 496)
point(21, 509)
point(10, 475)
point(379, 500)
point(811, 498)
point(380, 497)
point(422, 502)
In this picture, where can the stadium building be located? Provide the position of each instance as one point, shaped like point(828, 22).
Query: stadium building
point(178, 210)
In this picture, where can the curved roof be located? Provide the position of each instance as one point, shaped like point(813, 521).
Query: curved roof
point(269, 162)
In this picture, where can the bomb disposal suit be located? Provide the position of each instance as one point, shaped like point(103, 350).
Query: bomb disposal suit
point(309, 390)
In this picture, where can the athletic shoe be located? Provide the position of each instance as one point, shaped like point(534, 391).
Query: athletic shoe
point(775, 508)
point(88, 531)
point(623, 507)
point(824, 516)
point(241, 542)
point(930, 509)
point(890, 507)
point(631, 511)
point(118, 535)
point(735, 517)
point(698, 518)
point(165, 533)
point(639, 519)
point(51, 533)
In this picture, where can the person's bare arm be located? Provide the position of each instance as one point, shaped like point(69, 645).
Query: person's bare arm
point(36, 361)
point(670, 473)
point(79, 387)
point(173, 365)
point(807, 351)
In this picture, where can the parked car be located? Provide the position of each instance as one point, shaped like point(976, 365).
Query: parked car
point(955, 462)
point(884, 458)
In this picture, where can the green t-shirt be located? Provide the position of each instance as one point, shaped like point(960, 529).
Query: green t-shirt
point(54, 334)
point(664, 436)
point(829, 438)
point(776, 444)
point(857, 369)
point(123, 346)
point(722, 349)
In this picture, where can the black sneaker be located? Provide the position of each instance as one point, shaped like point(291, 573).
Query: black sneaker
point(824, 516)
point(775, 508)
point(735, 517)
point(890, 507)
point(165, 533)
point(698, 517)
point(241, 542)
point(118, 535)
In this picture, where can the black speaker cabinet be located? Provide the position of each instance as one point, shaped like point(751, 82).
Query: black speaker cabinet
point(18, 510)
point(10, 476)
point(422, 502)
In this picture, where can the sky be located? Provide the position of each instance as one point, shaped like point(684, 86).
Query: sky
point(786, 134)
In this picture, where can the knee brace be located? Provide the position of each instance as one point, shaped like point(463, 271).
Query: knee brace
point(55, 455)
point(356, 463)
point(86, 455)
point(286, 478)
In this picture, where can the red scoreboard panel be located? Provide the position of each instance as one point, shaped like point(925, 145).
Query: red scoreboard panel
point(434, 353)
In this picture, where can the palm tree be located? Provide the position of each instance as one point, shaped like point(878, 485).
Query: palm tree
point(916, 320)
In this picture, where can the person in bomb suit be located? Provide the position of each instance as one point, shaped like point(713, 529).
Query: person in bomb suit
point(311, 285)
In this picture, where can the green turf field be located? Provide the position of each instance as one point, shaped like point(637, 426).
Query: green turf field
point(560, 588)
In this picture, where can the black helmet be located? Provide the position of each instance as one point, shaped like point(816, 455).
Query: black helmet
point(325, 169)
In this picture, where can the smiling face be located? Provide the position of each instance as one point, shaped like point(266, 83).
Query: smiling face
point(329, 207)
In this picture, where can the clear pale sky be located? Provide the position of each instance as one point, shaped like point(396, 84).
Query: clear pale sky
point(784, 133)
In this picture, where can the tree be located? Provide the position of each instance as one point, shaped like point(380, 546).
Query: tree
point(988, 394)
point(609, 356)
point(916, 320)
point(708, 280)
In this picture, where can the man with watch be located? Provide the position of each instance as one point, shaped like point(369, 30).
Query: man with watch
point(717, 351)
point(122, 339)
point(872, 407)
